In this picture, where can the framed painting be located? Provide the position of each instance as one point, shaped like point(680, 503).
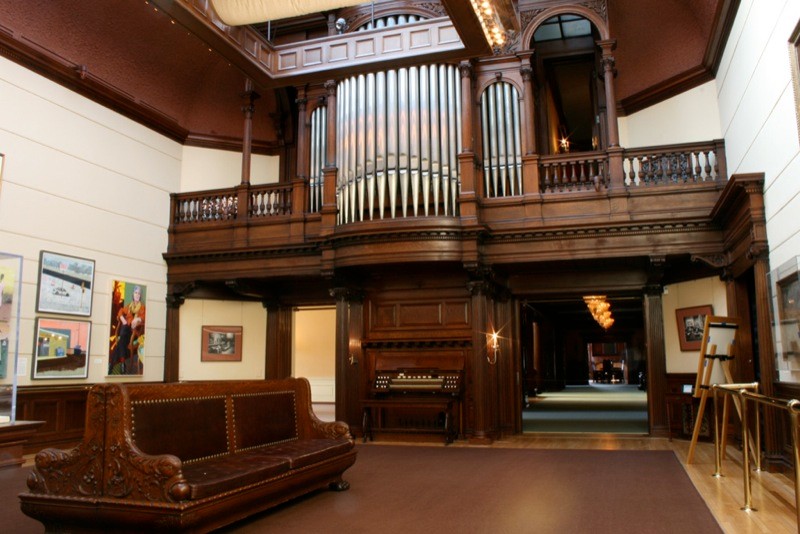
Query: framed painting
point(126, 345)
point(691, 322)
point(221, 344)
point(61, 348)
point(65, 284)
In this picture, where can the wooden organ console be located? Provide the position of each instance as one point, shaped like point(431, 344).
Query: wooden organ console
point(406, 386)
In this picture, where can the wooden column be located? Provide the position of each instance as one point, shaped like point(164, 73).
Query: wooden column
point(530, 161)
point(615, 153)
point(483, 419)
point(278, 356)
point(773, 444)
point(349, 354)
point(248, 109)
point(172, 348)
point(329, 208)
point(468, 205)
point(656, 351)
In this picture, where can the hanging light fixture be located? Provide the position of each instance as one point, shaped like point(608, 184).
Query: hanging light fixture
point(600, 309)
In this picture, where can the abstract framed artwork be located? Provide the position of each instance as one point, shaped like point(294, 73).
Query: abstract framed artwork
point(65, 284)
point(61, 348)
point(691, 322)
point(221, 344)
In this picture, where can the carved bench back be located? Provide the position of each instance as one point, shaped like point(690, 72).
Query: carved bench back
point(199, 420)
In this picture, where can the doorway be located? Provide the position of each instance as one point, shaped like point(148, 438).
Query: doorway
point(581, 376)
point(314, 355)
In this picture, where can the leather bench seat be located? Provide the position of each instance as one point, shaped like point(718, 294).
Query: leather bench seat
point(300, 453)
point(217, 475)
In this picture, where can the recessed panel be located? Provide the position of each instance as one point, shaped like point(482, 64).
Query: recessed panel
point(287, 61)
point(365, 47)
point(313, 56)
point(420, 39)
point(338, 52)
point(420, 315)
point(448, 34)
point(392, 43)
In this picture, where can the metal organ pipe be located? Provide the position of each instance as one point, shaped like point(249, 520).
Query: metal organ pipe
point(319, 119)
point(502, 153)
point(399, 138)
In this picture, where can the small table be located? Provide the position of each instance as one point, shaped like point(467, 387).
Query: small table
point(442, 404)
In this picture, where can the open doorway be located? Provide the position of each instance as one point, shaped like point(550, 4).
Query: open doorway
point(314, 356)
point(582, 376)
point(570, 93)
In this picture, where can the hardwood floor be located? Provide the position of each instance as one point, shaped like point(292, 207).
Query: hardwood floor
point(772, 494)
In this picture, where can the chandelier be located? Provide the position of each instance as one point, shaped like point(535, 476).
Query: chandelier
point(600, 309)
point(498, 20)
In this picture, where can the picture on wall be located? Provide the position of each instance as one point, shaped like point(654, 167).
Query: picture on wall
point(65, 284)
point(8, 280)
point(127, 337)
point(61, 348)
point(691, 322)
point(221, 344)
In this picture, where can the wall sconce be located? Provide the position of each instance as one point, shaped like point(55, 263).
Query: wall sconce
point(494, 348)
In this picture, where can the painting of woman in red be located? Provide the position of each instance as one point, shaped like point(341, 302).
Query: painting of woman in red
point(128, 313)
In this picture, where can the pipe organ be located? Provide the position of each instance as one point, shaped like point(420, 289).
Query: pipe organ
point(319, 126)
point(398, 139)
point(500, 129)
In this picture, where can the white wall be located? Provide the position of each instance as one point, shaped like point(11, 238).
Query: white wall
point(688, 117)
point(196, 313)
point(205, 168)
point(82, 180)
point(758, 114)
point(688, 295)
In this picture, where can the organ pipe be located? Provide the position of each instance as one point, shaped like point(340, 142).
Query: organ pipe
point(399, 139)
point(502, 152)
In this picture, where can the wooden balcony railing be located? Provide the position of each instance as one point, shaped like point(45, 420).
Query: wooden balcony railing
point(687, 166)
point(677, 164)
point(573, 172)
point(223, 204)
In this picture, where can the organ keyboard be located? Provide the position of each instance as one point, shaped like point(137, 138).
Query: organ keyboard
point(414, 391)
point(417, 381)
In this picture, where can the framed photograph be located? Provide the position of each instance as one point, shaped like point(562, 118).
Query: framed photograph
point(61, 348)
point(690, 326)
point(126, 343)
point(221, 344)
point(65, 284)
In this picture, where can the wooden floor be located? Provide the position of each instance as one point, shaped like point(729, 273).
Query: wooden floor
point(772, 494)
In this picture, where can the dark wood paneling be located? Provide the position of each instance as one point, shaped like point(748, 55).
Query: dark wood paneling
point(63, 410)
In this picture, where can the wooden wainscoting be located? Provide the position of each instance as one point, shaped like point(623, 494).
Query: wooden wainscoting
point(63, 410)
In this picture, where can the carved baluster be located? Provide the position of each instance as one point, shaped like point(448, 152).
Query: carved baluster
point(707, 167)
point(582, 165)
point(546, 178)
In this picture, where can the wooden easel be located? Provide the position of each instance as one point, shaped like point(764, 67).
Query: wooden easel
point(719, 339)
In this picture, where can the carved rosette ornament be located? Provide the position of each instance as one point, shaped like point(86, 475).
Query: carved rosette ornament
point(75, 472)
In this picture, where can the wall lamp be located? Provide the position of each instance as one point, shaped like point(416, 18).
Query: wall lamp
point(494, 348)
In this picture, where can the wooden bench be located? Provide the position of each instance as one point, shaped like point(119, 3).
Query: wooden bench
point(189, 456)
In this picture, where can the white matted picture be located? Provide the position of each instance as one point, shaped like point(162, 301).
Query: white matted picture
point(61, 348)
point(65, 284)
point(221, 344)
